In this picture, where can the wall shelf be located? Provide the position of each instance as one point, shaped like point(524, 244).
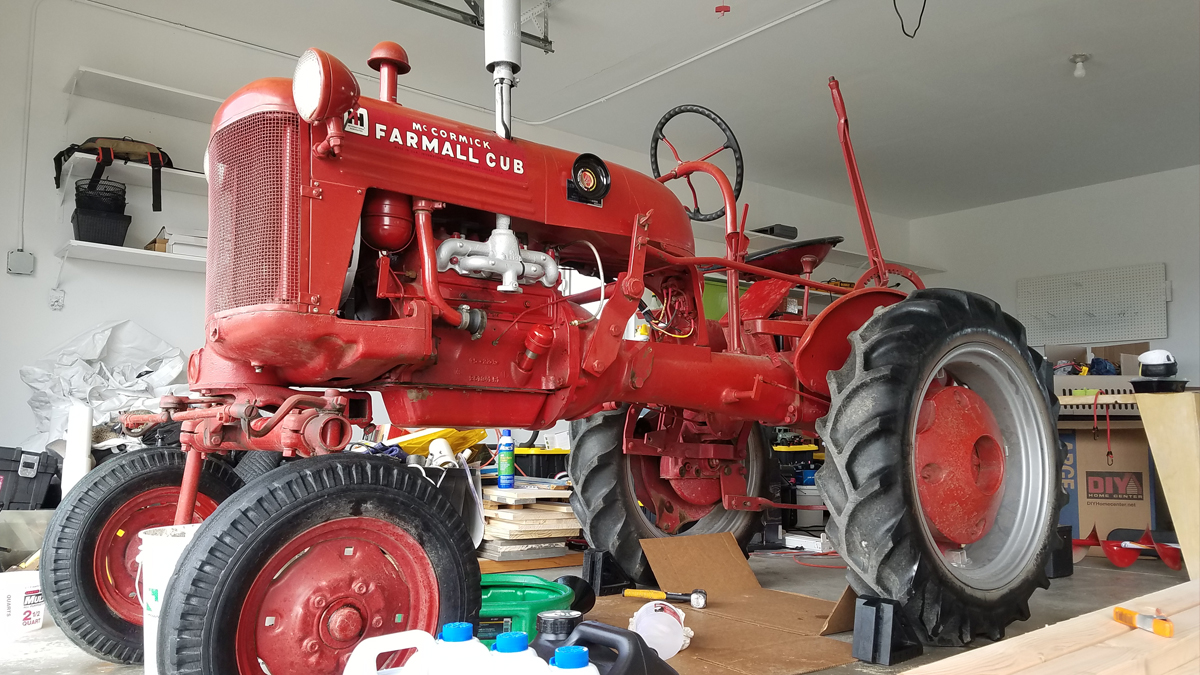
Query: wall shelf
point(81, 165)
point(123, 255)
point(135, 93)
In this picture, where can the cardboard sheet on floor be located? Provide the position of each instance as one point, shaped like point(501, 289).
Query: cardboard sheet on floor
point(746, 629)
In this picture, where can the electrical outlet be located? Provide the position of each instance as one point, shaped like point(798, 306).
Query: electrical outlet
point(58, 298)
point(20, 262)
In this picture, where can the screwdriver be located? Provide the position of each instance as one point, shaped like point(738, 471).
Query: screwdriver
point(1155, 623)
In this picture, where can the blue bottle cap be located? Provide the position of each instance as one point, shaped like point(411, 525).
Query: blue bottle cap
point(569, 658)
point(457, 632)
point(508, 643)
point(506, 432)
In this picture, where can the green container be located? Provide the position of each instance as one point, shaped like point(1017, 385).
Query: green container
point(511, 602)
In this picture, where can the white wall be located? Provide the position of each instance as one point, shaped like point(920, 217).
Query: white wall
point(57, 37)
point(1151, 218)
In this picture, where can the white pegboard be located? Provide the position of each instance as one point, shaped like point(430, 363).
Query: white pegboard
point(1122, 304)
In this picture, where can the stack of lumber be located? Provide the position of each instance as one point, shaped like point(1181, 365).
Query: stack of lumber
point(1094, 644)
point(526, 524)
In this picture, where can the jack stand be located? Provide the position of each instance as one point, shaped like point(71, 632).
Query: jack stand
point(603, 573)
point(881, 632)
point(1061, 562)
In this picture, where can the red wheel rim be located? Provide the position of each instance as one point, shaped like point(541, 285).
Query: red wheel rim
point(114, 564)
point(960, 464)
point(327, 589)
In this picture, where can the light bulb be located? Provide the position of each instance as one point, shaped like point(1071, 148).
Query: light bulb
point(1079, 71)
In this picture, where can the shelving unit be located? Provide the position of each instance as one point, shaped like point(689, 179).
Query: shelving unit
point(133, 173)
point(134, 93)
point(122, 255)
point(131, 92)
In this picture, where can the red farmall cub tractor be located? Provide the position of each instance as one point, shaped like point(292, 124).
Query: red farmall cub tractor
point(360, 246)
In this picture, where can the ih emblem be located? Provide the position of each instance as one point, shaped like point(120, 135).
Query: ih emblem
point(355, 121)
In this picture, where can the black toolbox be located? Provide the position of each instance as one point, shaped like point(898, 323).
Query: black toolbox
point(25, 478)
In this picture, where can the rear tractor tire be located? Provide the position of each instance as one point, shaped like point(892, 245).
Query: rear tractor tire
point(943, 461)
point(606, 503)
point(307, 561)
point(89, 567)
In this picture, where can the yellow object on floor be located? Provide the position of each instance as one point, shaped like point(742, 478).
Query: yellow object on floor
point(418, 443)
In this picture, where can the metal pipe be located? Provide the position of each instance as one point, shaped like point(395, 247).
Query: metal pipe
point(186, 505)
point(423, 208)
point(503, 80)
point(387, 82)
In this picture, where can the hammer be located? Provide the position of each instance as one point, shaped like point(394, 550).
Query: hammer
point(697, 598)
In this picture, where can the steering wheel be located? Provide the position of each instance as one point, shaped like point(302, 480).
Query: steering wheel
point(730, 144)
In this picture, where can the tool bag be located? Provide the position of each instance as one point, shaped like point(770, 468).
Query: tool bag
point(108, 150)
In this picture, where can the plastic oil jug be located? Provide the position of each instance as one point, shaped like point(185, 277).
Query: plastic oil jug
point(458, 651)
point(572, 660)
point(511, 655)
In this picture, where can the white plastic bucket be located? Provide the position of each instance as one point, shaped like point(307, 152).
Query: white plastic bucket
point(158, 555)
point(23, 604)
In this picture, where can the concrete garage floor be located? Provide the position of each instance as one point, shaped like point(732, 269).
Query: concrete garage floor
point(1095, 584)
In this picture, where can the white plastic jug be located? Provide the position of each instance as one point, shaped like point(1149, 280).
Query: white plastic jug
point(158, 554)
point(572, 660)
point(511, 655)
point(366, 654)
point(458, 651)
point(661, 625)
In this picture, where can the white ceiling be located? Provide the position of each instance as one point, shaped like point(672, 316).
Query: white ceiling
point(980, 108)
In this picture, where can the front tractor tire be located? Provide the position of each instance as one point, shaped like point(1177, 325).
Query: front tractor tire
point(307, 561)
point(605, 498)
point(942, 470)
point(89, 558)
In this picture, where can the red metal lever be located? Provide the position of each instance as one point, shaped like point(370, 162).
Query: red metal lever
point(860, 197)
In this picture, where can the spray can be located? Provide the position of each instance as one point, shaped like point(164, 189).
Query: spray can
point(506, 459)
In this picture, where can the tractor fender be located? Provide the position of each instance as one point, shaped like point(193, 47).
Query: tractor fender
point(824, 346)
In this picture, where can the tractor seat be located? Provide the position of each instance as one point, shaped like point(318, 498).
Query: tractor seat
point(787, 258)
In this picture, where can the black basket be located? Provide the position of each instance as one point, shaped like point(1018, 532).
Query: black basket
point(107, 196)
point(100, 227)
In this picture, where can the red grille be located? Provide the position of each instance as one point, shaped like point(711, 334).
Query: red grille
point(254, 212)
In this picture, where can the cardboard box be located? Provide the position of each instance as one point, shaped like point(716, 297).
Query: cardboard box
point(1106, 492)
point(745, 628)
point(157, 244)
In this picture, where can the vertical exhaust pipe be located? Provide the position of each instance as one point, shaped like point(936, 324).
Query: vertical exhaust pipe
point(502, 54)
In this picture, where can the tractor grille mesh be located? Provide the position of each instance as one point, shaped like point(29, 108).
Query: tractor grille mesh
point(254, 212)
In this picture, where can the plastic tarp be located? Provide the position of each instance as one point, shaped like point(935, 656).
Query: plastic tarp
point(114, 367)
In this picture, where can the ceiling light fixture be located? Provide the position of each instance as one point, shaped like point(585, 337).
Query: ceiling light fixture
point(1078, 60)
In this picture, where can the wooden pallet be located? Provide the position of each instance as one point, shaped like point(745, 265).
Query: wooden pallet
point(1094, 643)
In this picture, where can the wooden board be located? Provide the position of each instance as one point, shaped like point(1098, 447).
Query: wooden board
point(494, 567)
point(1070, 646)
point(530, 515)
point(561, 507)
point(495, 530)
point(502, 495)
point(1173, 428)
point(1137, 652)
